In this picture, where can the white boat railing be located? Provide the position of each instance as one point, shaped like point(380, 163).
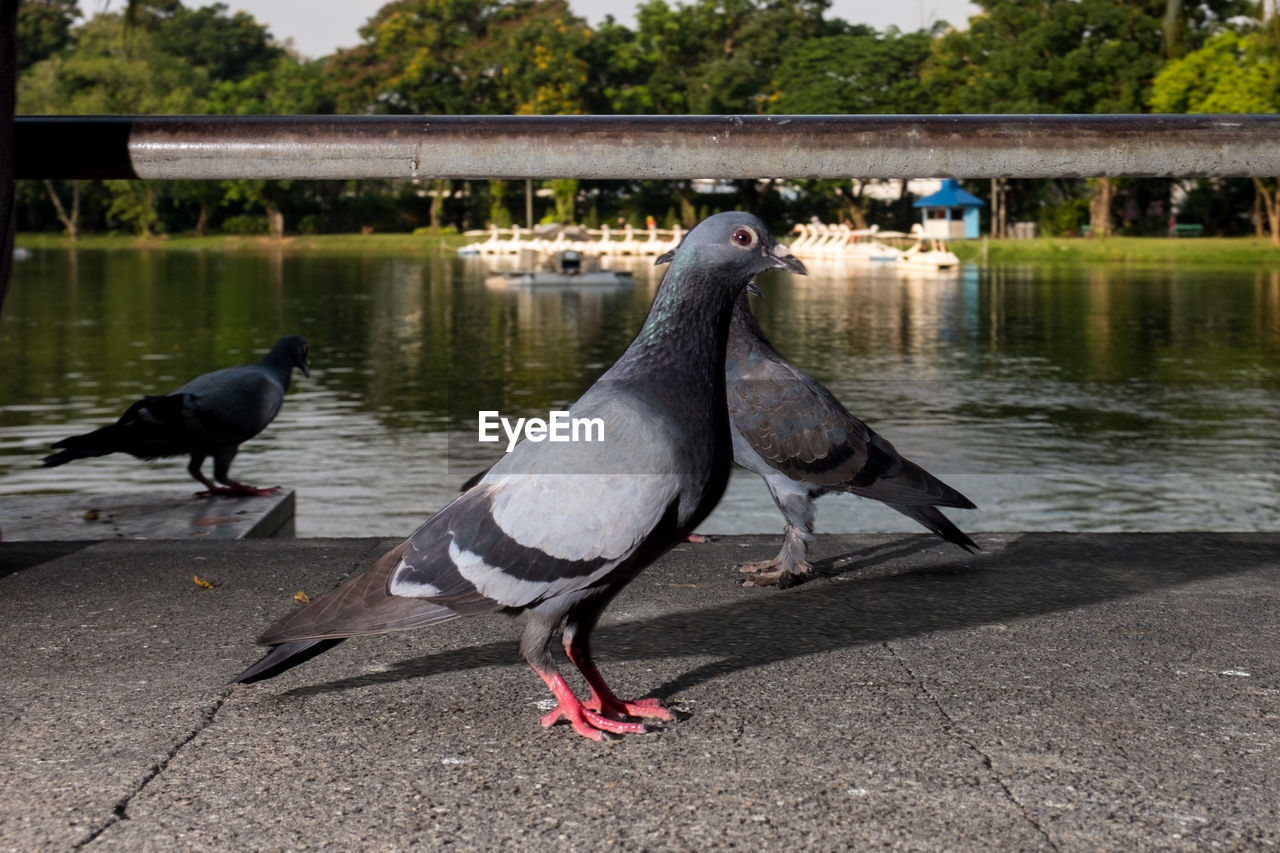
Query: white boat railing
point(602, 241)
point(821, 241)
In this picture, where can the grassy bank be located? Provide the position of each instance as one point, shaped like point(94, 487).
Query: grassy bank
point(320, 243)
point(1205, 251)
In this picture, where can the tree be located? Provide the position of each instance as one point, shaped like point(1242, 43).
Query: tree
point(44, 28)
point(168, 59)
point(224, 46)
point(1082, 56)
point(133, 203)
point(465, 56)
point(859, 71)
point(70, 219)
point(856, 71)
point(534, 60)
point(708, 57)
point(109, 74)
point(268, 195)
point(1234, 72)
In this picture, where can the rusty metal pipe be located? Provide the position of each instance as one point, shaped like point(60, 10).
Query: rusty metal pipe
point(646, 147)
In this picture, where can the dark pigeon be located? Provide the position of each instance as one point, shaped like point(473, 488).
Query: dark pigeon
point(212, 415)
point(788, 428)
point(555, 530)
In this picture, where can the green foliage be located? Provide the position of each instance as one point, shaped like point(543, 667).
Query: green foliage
point(1065, 218)
point(860, 71)
point(133, 204)
point(223, 46)
point(1232, 73)
point(44, 28)
point(499, 215)
point(1027, 56)
point(565, 194)
point(286, 87)
point(245, 224)
point(108, 73)
point(465, 56)
point(708, 57)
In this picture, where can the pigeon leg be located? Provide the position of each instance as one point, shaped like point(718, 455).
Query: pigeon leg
point(790, 566)
point(221, 470)
point(535, 646)
point(577, 646)
point(586, 722)
point(603, 699)
point(193, 468)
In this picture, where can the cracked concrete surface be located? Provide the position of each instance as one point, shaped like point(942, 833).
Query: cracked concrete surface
point(121, 809)
point(949, 726)
point(1055, 692)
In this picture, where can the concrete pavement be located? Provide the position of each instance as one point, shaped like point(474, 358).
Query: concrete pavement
point(146, 516)
point(1057, 691)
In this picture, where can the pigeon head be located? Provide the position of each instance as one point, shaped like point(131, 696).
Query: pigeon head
point(295, 351)
point(734, 244)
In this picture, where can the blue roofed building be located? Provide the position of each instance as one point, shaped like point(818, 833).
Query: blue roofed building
point(950, 213)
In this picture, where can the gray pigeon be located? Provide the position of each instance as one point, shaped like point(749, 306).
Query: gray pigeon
point(555, 530)
point(212, 415)
point(788, 428)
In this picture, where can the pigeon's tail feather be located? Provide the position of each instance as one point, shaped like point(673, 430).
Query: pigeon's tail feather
point(149, 429)
point(283, 657)
point(100, 442)
point(473, 480)
point(932, 518)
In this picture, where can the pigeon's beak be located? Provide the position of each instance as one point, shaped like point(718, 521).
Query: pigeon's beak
point(780, 258)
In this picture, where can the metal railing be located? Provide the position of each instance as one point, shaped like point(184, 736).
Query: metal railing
point(646, 147)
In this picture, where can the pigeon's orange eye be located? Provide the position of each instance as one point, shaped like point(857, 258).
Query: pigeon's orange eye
point(745, 238)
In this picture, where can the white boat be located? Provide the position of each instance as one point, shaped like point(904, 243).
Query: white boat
point(842, 242)
point(865, 245)
point(592, 241)
point(531, 278)
point(567, 268)
point(927, 253)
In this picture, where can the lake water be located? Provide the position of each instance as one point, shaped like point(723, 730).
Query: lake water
point(1058, 398)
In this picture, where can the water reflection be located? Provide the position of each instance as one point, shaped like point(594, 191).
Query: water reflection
point(1099, 398)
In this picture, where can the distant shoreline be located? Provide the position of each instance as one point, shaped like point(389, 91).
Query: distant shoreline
point(390, 243)
point(1200, 251)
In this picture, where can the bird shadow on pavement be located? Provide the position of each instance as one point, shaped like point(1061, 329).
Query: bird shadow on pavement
point(17, 556)
point(1033, 575)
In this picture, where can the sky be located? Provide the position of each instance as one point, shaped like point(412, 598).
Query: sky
point(318, 27)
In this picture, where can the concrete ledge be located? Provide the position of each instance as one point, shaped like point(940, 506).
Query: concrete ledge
point(145, 516)
point(1054, 692)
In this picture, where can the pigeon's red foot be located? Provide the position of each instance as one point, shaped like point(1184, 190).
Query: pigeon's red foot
point(697, 538)
point(588, 722)
point(650, 709)
point(603, 700)
point(774, 573)
point(238, 490)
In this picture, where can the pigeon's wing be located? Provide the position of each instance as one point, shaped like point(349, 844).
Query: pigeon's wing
point(800, 429)
point(231, 405)
point(551, 518)
point(545, 521)
point(795, 424)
